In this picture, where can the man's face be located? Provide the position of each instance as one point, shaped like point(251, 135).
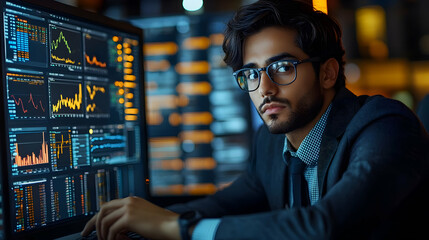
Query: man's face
point(282, 108)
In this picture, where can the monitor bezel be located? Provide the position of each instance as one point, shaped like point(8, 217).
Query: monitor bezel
point(76, 224)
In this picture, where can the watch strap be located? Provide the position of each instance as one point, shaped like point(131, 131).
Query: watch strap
point(186, 220)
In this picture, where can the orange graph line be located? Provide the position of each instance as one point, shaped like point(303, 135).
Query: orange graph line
point(66, 60)
point(90, 107)
point(94, 61)
point(94, 91)
point(32, 159)
point(61, 146)
point(20, 103)
point(71, 103)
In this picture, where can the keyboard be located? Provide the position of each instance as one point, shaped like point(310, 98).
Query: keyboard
point(130, 235)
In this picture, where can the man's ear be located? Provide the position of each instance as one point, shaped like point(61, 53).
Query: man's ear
point(329, 73)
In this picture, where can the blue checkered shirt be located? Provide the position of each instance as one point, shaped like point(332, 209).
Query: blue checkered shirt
point(308, 152)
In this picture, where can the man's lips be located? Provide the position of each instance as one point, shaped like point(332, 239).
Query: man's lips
point(272, 108)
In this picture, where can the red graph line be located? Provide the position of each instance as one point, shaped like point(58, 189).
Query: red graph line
point(32, 101)
point(20, 103)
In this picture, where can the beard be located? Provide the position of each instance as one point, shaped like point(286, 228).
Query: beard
point(307, 109)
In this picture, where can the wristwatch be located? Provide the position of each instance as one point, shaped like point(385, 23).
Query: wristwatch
point(186, 220)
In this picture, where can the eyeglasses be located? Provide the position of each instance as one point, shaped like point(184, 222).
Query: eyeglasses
point(282, 72)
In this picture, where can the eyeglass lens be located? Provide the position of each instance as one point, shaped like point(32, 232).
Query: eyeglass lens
point(281, 72)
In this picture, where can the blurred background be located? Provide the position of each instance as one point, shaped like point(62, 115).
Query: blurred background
point(201, 125)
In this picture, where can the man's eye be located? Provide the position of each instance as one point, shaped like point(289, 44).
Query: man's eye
point(252, 75)
point(283, 69)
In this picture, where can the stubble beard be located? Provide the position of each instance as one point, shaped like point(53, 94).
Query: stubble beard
point(306, 111)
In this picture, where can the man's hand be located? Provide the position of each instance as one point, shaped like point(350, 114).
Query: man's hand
point(133, 214)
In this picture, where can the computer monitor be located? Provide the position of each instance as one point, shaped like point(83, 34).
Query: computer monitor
point(73, 130)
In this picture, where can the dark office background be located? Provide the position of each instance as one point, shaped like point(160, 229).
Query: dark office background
point(397, 46)
point(387, 53)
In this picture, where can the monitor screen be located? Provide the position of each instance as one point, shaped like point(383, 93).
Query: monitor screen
point(73, 131)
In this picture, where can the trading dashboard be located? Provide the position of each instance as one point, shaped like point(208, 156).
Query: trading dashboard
point(73, 115)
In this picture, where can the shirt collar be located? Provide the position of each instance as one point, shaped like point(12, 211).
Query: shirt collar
point(309, 149)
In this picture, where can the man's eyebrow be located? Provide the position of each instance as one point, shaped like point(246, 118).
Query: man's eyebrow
point(249, 65)
point(279, 57)
point(271, 60)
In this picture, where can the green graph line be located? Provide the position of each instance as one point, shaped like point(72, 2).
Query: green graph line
point(56, 42)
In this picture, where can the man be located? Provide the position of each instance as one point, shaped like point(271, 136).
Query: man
point(366, 164)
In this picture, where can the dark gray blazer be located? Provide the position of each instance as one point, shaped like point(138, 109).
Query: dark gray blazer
point(373, 179)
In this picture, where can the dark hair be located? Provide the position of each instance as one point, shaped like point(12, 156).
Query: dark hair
point(318, 35)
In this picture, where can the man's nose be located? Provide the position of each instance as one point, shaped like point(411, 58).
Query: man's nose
point(266, 86)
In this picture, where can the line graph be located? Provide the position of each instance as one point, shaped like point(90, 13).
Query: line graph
point(26, 96)
point(66, 99)
point(56, 42)
point(69, 103)
point(65, 47)
point(108, 146)
point(96, 53)
point(92, 90)
point(94, 61)
point(97, 100)
point(91, 107)
point(64, 60)
point(19, 102)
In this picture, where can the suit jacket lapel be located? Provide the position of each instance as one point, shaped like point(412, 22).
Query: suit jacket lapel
point(277, 167)
point(344, 107)
point(281, 187)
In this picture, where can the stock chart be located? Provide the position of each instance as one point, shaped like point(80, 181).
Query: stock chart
point(66, 99)
point(73, 105)
point(97, 100)
point(96, 56)
point(61, 149)
point(66, 47)
point(29, 150)
point(26, 96)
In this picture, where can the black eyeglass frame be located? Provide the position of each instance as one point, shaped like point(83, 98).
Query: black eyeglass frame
point(258, 70)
